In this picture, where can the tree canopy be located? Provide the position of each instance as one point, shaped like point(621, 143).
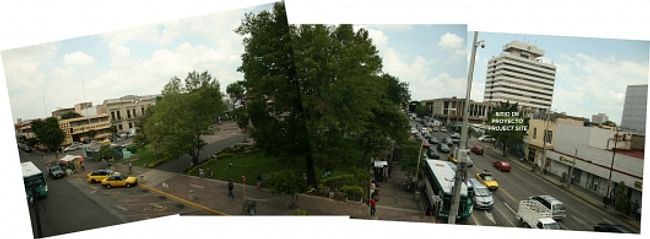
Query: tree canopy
point(508, 138)
point(318, 91)
point(186, 111)
point(48, 132)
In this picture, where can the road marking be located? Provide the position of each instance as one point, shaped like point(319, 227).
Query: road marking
point(196, 186)
point(476, 222)
point(121, 208)
point(490, 217)
point(181, 200)
point(504, 216)
point(509, 208)
point(257, 199)
point(607, 221)
point(508, 195)
point(580, 221)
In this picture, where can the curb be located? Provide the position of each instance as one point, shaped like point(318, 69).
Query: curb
point(182, 200)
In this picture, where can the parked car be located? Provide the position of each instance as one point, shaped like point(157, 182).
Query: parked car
point(449, 141)
point(502, 166)
point(56, 172)
point(556, 206)
point(606, 227)
point(486, 138)
point(486, 178)
point(118, 180)
point(25, 147)
point(443, 129)
point(98, 175)
point(477, 150)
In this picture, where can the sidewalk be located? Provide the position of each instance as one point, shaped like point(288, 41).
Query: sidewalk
point(580, 192)
point(211, 195)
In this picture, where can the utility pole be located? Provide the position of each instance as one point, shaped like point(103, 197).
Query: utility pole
point(611, 168)
point(460, 169)
point(35, 198)
point(569, 179)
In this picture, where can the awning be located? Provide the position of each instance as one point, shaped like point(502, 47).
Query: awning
point(70, 158)
point(380, 164)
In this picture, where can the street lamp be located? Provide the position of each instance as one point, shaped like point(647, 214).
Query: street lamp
point(611, 168)
point(460, 170)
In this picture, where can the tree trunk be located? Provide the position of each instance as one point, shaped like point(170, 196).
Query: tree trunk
point(311, 174)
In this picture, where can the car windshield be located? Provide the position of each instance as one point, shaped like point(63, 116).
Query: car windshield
point(482, 192)
point(488, 178)
point(559, 207)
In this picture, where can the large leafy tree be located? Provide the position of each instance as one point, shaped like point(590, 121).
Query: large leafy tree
point(48, 132)
point(317, 91)
point(508, 138)
point(186, 111)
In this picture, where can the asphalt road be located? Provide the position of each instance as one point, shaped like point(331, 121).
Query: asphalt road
point(519, 184)
point(178, 165)
point(66, 209)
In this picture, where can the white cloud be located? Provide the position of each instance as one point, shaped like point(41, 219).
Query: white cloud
point(78, 59)
point(379, 39)
point(24, 67)
point(453, 43)
point(587, 85)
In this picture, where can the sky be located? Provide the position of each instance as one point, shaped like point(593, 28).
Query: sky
point(592, 74)
point(134, 61)
point(431, 58)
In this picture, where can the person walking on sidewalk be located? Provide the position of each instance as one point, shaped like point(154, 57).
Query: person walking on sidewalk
point(373, 205)
point(259, 181)
point(231, 186)
point(130, 166)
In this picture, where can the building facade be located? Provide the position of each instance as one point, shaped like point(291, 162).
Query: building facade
point(635, 107)
point(124, 111)
point(599, 118)
point(582, 154)
point(85, 129)
point(449, 110)
point(519, 75)
point(60, 112)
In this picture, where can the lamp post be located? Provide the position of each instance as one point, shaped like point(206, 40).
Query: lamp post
point(611, 168)
point(460, 169)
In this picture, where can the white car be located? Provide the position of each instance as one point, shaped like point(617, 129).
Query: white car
point(486, 138)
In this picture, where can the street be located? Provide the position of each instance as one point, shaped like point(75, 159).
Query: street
point(519, 184)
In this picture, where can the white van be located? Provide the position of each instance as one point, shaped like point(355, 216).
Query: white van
point(556, 206)
point(482, 195)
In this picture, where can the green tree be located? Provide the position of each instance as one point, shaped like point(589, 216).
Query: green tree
point(237, 92)
point(186, 111)
point(105, 152)
point(48, 133)
point(70, 115)
point(319, 101)
point(288, 182)
point(91, 134)
point(609, 123)
point(510, 138)
point(422, 110)
point(621, 201)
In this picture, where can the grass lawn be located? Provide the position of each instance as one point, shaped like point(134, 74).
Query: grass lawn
point(144, 157)
point(249, 165)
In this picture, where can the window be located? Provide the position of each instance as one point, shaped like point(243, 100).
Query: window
point(133, 112)
point(119, 117)
point(119, 126)
point(130, 125)
point(142, 108)
point(534, 133)
point(128, 114)
point(113, 115)
point(549, 136)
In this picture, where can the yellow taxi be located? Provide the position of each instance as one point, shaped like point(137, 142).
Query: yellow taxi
point(485, 177)
point(98, 175)
point(118, 180)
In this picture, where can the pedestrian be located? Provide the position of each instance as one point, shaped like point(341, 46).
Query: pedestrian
point(373, 206)
point(130, 166)
point(231, 186)
point(201, 173)
point(259, 181)
point(373, 187)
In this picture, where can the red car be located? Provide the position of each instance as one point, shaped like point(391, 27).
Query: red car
point(477, 150)
point(502, 165)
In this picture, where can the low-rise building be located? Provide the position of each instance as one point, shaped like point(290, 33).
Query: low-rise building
point(124, 111)
point(450, 110)
point(85, 129)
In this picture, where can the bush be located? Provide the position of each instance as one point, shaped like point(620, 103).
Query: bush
point(156, 163)
point(301, 212)
point(352, 191)
point(336, 182)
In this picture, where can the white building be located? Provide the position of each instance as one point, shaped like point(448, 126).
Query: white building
point(635, 107)
point(589, 150)
point(519, 75)
point(599, 118)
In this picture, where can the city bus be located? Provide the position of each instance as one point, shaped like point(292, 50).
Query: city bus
point(439, 183)
point(34, 180)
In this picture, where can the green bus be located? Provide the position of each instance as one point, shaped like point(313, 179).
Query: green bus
point(34, 181)
point(439, 182)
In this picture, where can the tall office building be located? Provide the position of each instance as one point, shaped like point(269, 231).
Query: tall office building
point(519, 75)
point(635, 107)
point(599, 118)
